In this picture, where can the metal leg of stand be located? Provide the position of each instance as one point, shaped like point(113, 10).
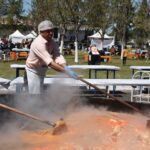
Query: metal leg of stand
point(114, 87)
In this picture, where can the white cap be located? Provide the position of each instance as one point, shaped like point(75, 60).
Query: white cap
point(45, 25)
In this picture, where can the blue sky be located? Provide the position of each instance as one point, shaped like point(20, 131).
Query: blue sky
point(27, 5)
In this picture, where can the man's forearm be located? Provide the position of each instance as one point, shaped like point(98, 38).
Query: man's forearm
point(57, 67)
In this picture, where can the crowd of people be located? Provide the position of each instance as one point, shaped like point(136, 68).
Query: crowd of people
point(7, 45)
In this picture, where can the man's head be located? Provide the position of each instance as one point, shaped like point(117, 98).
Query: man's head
point(46, 29)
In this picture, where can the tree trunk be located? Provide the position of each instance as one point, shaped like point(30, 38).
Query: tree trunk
point(76, 49)
point(122, 47)
point(61, 44)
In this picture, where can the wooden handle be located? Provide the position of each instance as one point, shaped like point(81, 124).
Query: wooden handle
point(25, 114)
point(110, 95)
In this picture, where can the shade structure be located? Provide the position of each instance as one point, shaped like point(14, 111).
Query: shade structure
point(30, 36)
point(16, 37)
point(98, 36)
point(96, 39)
point(34, 33)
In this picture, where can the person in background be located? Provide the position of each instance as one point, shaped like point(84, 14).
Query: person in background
point(10, 45)
point(44, 53)
point(29, 43)
point(112, 50)
point(137, 53)
point(93, 55)
point(125, 54)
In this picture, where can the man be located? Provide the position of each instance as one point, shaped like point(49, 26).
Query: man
point(44, 53)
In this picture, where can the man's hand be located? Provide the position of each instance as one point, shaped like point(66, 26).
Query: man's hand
point(71, 73)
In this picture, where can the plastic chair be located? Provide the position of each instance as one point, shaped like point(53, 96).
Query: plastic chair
point(141, 93)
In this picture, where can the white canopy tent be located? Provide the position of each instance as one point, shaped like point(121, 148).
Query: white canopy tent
point(97, 40)
point(34, 33)
point(16, 37)
point(30, 36)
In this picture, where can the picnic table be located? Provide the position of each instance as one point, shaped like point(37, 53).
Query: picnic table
point(139, 68)
point(18, 67)
point(17, 53)
point(96, 68)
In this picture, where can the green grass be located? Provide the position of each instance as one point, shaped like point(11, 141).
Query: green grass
point(124, 72)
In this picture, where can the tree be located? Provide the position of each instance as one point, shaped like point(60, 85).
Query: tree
point(99, 16)
point(123, 13)
point(3, 7)
point(142, 23)
point(54, 10)
point(38, 13)
point(77, 17)
point(61, 20)
point(64, 13)
point(14, 10)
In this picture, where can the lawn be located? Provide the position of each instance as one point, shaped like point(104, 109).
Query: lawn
point(125, 72)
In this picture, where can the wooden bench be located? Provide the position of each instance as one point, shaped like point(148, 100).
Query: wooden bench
point(107, 58)
point(18, 83)
point(23, 54)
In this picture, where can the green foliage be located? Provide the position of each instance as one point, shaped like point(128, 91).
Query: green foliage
point(123, 13)
point(142, 24)
point(41, 10)
point(3, 7)
point(15, 8)
point(99, 15)
point(123, 17)
point(12, 9)
point(7, 29)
